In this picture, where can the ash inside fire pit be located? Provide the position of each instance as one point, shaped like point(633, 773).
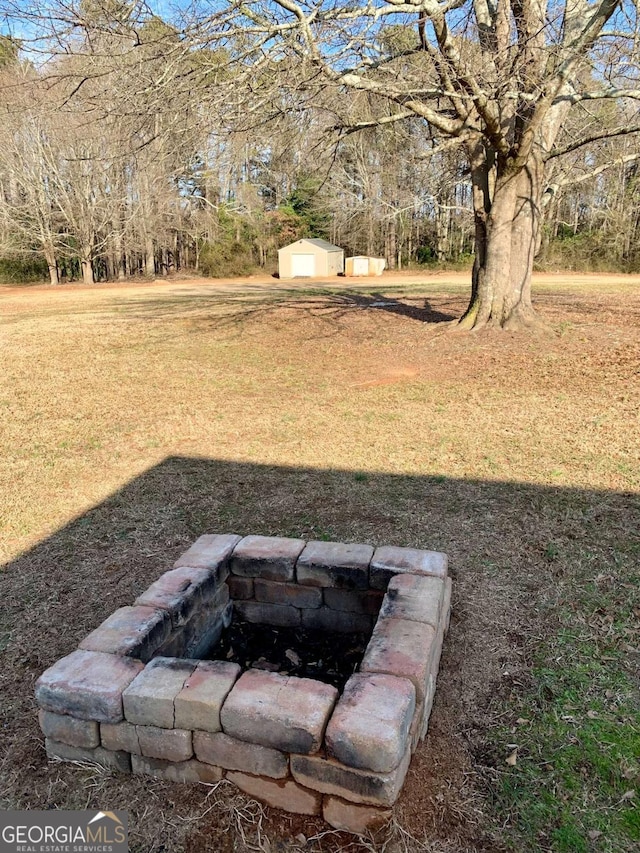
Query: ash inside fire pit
point(303, 652)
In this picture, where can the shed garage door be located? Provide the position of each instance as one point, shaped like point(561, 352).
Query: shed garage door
point(303, 265)
point(361, 266)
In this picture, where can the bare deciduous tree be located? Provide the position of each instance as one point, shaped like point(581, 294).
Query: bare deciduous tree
point(498, 77)
point(146, 141)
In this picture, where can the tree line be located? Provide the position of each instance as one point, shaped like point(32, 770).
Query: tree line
point(131, 146)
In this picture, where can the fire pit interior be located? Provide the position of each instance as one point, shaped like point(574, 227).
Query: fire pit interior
point(303, 672)
point(303, 652)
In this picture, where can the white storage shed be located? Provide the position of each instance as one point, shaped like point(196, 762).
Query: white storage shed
point(361, 265)
point(310, 257)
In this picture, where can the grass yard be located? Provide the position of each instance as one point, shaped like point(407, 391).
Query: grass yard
point(136, 418)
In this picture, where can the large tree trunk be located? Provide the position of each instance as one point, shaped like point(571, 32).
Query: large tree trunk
point(118, 258)
point(149, 257)
point(443, 224)
point(507, 237)
point(52, 264)
point(87, 271)
point(525, 241)
point(391, 243)
point(507, 203)
point(86, 264)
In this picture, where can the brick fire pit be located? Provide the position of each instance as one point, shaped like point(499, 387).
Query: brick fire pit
point(136, 696)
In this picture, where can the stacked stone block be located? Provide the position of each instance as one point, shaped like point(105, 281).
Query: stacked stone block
point(318, 585)
point(136, 698)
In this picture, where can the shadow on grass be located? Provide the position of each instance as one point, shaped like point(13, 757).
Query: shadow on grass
point(513, 547)
point(220, 308)
point(380, 302)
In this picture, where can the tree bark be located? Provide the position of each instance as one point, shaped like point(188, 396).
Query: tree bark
point(87, 269)
point(443, 224)
point(52, 264)
point(119, 263)
point(391, 241)
point(149, 258)
point(525, 242)
point(507, 237)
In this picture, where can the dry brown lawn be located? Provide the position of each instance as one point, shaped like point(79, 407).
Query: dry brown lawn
point(136, 418)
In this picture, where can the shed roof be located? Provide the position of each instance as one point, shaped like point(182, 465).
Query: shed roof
point(318, 242)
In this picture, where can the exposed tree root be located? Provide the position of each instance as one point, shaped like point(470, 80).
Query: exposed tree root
point(468, 319)
point(518, 321)
point(525, 319)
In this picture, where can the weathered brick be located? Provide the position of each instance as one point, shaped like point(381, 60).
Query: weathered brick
point(427, 708)
point(369, 728)
point(283, 616)
point(389, 561)
point(267, 557)
point(201, 644)
point(204, 629)
point(336, 564)
point(234, 754)
point(358, 786)
point(240, 589)
point(136, 632)
point(354, 601)
point(218, 603)
point(181, 592)
point(421, 727)
point(120, 737)
point(227, 615)
point(415, 597)
point(120, 761)
point(149, 699)
point(279, 795)
point(198, 704)
point(65, 729)
point(340, 621)
point(287, 593)
point(416, 725)
point(437, 652)
point(286, 713)
point(210, 552)
point(87, 685)
point(183, 771)
point(446, 605)
point(403, 648)
point(169, 744)
point(175, 646)
point(352, 818)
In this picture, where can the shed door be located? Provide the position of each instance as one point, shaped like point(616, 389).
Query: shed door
point(361, 266)
point(303, 265)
